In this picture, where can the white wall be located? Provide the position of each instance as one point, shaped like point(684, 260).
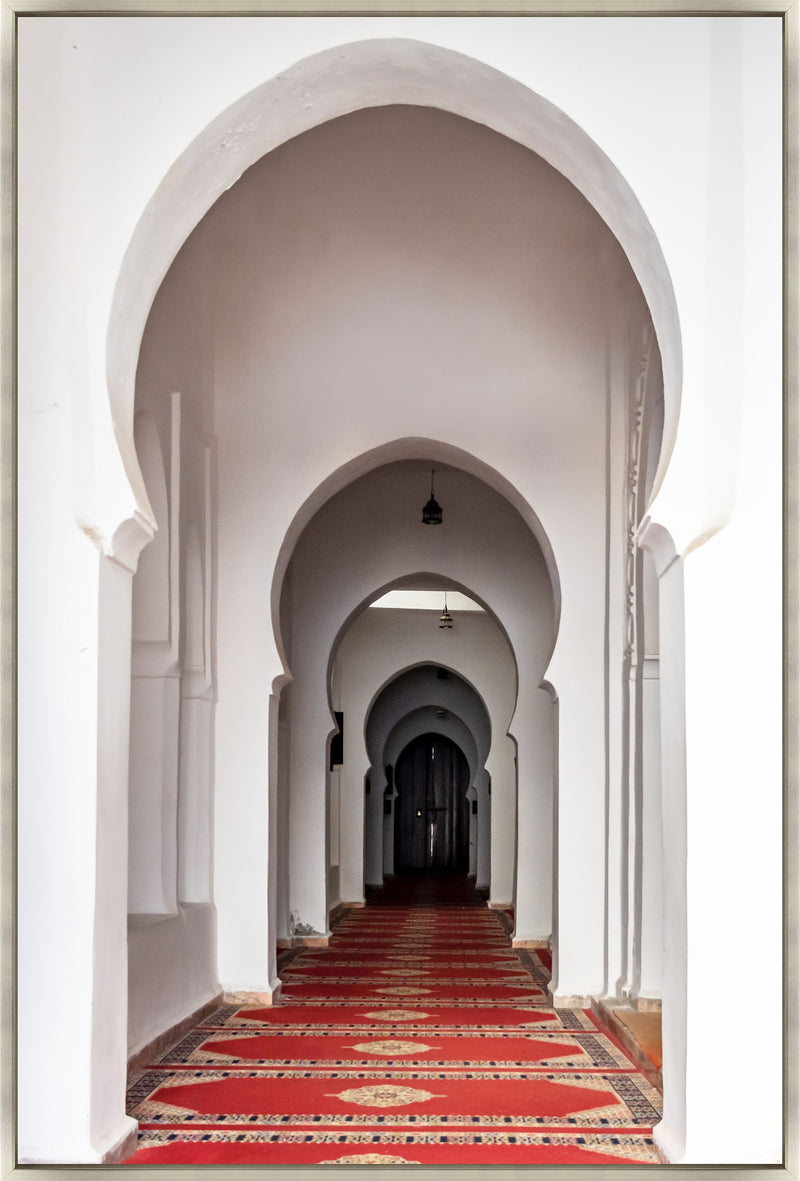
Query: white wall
point(172, 970)
point(535, 893)
point(100, 125)
point(172, 943)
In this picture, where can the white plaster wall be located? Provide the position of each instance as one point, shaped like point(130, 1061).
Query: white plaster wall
point(172, 970)
point(651, 963)
point(153, 784)
point(97, 132)
point(281, 791)
point(720, 776)
point(502, 817)
point(672, 1131)
point(155, 692)
point(533, 896)
point(172, 959)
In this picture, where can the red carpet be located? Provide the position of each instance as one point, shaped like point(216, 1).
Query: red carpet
point(417, 1037)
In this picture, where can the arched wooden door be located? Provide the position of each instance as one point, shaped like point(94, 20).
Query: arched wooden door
point(432, 812)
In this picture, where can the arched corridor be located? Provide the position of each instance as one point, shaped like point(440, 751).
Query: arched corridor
point(374, 659)
point(343, 275)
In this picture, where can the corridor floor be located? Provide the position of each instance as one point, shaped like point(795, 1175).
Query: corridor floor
point(419, 1036)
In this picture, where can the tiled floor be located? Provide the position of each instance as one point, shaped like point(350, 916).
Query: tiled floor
point(646, 1029)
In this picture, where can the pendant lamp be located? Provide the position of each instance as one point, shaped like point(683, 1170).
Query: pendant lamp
point(432, 512)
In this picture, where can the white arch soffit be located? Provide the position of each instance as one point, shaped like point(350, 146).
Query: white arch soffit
point(442, 581)
point(418, 721)
point(434, 452)
point(387, 685)
point(374, 73)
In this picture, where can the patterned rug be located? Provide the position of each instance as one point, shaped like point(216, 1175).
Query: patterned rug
point(419, 1036)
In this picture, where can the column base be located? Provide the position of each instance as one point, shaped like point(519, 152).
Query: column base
point(646, 1004)
point(670, 1150)
point(245, 996)
point(310, 940)
point(110, 1150)
point(572, 1001)
point(124, 1147)
point(303, 941)
point(634, 1038)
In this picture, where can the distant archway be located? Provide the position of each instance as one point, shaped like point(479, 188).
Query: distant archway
point(431, 831)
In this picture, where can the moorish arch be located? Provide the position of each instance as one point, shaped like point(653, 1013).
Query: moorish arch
point(369, 74)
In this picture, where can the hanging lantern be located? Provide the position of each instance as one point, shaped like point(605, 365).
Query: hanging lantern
point(432, 512)
point(445, 619)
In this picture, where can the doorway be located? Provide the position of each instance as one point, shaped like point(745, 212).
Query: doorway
point(432, 811)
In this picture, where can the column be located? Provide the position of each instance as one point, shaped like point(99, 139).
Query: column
point(503, 808)
point(73, 820)
point(311, 725)
point(649, 985)
point(373, 837)
point(577, 675)
point(536, 768)
point(484, 823)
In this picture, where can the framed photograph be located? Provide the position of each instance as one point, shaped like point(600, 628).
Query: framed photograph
point(436, 370)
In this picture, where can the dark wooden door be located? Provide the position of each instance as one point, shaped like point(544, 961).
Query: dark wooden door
point(431, 829)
